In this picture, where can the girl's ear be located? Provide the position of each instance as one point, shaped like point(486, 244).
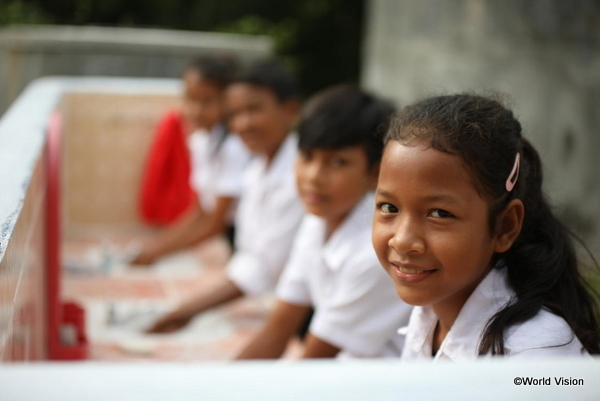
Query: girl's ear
point(508, 225)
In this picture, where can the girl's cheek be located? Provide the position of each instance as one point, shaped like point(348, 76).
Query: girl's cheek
point(378, 237)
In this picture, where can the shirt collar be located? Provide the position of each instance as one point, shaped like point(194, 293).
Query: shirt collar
point(350, 234)
point(283, 161)
point(216, 134)
point(213, 137)
point(462, 341)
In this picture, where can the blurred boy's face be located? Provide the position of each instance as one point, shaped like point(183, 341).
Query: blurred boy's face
point(331, 182)
point(258, 117)
point(202, 102)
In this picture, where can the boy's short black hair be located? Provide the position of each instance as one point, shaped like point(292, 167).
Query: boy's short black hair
point(271, 75)
point(345, 116)
point(218, 70)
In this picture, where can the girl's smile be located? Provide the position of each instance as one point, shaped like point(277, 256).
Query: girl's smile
point(410, 273)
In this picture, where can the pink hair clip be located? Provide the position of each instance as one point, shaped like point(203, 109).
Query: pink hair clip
point(514, 174)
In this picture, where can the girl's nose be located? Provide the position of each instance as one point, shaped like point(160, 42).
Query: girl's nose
point(407, 238)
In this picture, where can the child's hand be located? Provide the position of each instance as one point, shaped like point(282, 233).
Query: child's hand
point(171, 322)
point(146, 257)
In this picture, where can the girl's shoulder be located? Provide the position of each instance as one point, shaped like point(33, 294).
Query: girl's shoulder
point(544, 335)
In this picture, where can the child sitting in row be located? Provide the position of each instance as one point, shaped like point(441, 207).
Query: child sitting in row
point(218, 160)
point(333, 267)
point(463, 229)
point(262, 107)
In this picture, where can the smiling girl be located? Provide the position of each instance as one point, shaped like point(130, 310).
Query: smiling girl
point(463, 229)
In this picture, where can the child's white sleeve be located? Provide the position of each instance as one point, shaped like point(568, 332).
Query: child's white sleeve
point(293, 286)
point(256, 268)
point(267, 218)
point(363, 317)
point(233, 160)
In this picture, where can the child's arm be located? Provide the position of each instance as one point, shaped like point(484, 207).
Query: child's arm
point(194, 227)
point(223, 292)
point(284, 321)
point(316, 348)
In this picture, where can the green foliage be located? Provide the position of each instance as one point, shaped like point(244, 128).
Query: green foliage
point(284, 33)
point(21, 12)
point(319, 39)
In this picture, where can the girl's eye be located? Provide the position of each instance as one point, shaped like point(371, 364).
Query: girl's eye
point(441, 214)
point(387, 208)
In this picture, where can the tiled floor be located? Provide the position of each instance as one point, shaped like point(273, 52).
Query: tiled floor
point(121, 301)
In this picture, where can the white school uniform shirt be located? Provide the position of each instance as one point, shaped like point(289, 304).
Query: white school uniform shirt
point(268, 217)
point(356, 305)
point(546, 335)
point(218, 161)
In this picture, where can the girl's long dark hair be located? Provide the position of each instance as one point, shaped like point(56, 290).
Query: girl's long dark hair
point(542, 264)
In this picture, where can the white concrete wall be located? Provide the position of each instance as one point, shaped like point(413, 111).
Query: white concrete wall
point(544, 54)
point(316, 380)
point(28, 52)
point(23, 201)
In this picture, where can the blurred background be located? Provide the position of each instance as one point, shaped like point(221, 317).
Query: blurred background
point(320, 40)
point(544, 55)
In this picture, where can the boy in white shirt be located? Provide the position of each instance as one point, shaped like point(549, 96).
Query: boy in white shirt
point(333, 266)
point(262, 107)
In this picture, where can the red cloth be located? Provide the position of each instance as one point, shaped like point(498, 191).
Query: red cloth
point(165, 191)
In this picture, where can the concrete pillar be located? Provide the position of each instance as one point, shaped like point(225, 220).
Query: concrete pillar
point(545, 54)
